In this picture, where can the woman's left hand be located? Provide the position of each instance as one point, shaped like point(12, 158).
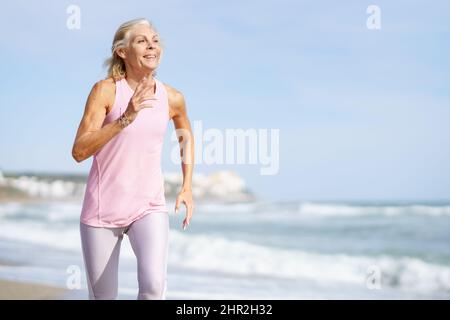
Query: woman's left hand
point(185, 196)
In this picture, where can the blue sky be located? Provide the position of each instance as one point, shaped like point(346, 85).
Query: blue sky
point(363, 114)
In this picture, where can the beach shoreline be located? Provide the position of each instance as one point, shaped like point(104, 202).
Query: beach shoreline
point(15, 290)
point(26, 290)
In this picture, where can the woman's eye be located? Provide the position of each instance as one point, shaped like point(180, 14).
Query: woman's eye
point(140, 41)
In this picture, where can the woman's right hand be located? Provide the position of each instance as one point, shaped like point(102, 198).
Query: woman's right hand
point(139, 100)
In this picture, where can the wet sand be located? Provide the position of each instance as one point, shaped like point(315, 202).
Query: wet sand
point(13, 290)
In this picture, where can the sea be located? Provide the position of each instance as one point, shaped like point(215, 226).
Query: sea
point(252, 250)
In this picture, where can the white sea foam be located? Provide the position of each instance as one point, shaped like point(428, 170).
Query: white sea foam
point(342, 210)
point(239, 258)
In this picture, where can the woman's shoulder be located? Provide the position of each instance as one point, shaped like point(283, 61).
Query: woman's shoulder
point(175, 97)
point(107, 85)
point(176, 101)
point(105, 89)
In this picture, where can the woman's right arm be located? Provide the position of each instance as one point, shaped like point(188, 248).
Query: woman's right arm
point(91, 136)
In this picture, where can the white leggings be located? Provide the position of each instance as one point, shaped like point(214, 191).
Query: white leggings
point(149, 238)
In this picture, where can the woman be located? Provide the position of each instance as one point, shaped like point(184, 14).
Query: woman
point(123, 126)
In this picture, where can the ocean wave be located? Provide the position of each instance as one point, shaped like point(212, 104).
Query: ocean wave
point(240, 258)
point(44, 212)
point(321, 210)
point(346, 210)
point(66, 211)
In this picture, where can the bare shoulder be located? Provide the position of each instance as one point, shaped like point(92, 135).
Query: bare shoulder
point(105, 86)
point(105, 90)
point(176, 100)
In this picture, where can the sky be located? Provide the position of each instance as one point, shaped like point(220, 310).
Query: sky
point(362, 114)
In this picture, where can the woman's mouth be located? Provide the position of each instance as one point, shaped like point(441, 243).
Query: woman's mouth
point(150, 57)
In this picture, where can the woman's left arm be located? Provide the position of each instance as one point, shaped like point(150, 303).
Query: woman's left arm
point(178, 113)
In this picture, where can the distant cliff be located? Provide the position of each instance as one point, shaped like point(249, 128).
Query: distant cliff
point(217, 186)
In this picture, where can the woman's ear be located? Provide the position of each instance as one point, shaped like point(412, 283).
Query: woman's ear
point(121, 53)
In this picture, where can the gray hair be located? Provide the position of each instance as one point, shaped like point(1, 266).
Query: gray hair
point(115, 64)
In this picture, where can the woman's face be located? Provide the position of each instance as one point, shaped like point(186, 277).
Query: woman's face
point(144, 49)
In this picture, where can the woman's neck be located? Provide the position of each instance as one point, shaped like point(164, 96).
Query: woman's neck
point(133, 77)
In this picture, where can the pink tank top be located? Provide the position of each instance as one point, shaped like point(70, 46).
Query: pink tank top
point(125, 181)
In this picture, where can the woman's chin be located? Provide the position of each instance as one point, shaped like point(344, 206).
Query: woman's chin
point(149, 67)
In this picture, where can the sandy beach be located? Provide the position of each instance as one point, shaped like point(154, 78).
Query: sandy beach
point(12, 290)
point(15, 290)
